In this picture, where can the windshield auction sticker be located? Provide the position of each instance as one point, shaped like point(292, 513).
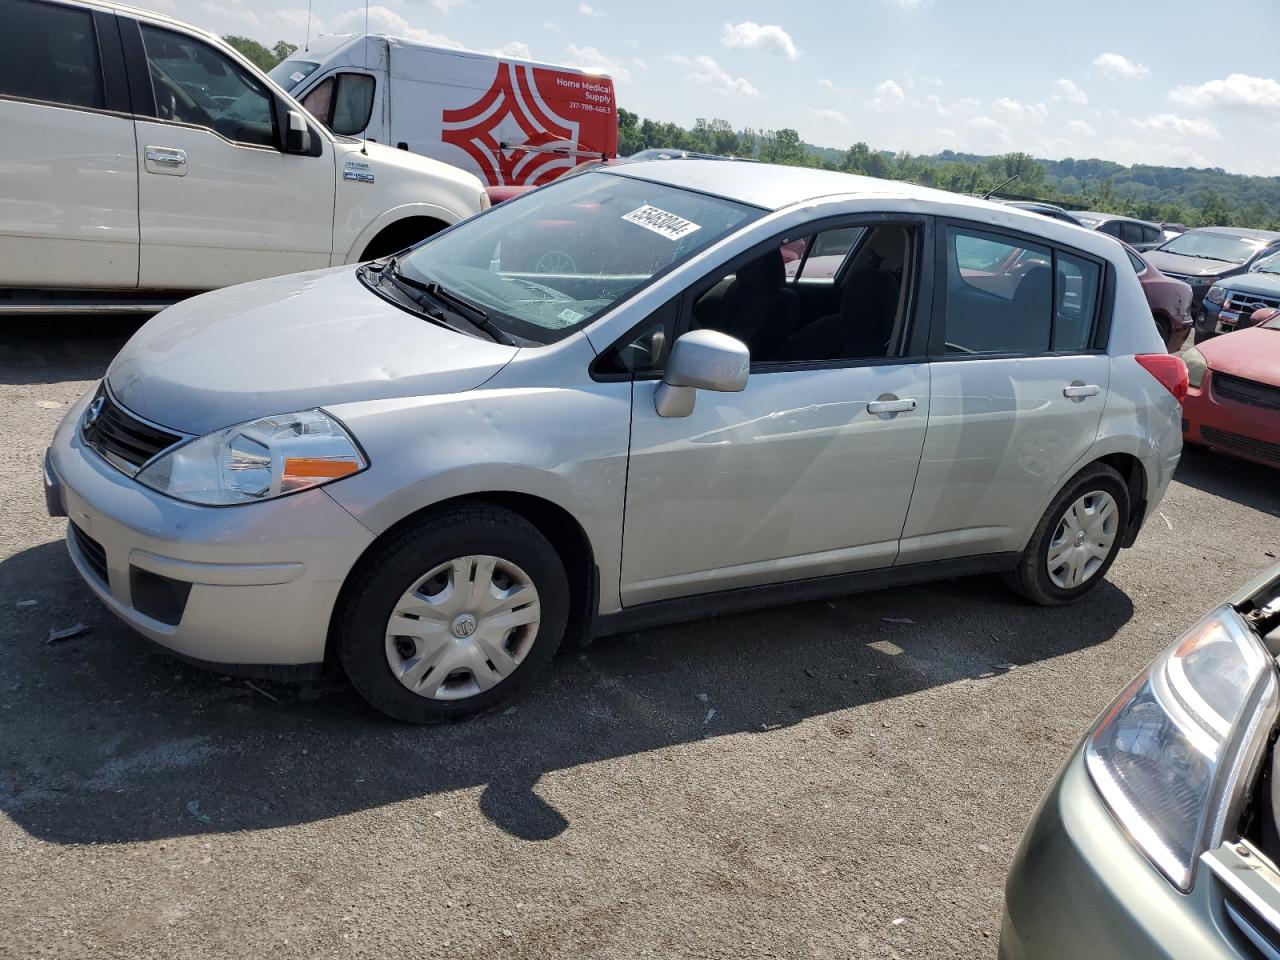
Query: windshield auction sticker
point(659, 221)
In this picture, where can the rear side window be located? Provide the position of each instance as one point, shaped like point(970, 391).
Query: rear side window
point(1010, 296)
point(1111, 227)
point(1132, 233)
point(50, 53)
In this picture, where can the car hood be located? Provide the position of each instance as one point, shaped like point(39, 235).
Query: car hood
point(286, 344)
point(1188, 266)
point(1252, 353)
point(1267, 284)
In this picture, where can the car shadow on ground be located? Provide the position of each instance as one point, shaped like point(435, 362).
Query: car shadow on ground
point(1240, 481)
point(105, 739)
point(54, 349)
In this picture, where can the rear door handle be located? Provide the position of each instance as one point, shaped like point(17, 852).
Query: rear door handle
point(1078, 390)
point(166, 160)
point(889, 405)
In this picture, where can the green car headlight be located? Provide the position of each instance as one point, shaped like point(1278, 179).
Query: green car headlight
point(1170, 755)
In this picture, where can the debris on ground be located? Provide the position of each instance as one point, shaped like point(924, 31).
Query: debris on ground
point(1004, 666)
point(899, 921)
point(985, 849)
point(49, 404)
point(703, 698)
point(253, 686)
point(1167, 522)
point(897, 620)
point(193, 808)
point(711, 715)
point(67, 633)
point(27, 603)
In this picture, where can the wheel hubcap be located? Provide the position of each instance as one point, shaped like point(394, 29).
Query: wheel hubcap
point(1084, 540)
point(463, 628)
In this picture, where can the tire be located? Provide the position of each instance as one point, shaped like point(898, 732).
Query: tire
point(1165, 331)
point(453, 668)
point(1052, 584)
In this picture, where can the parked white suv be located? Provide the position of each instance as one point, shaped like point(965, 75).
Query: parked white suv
point(143, 159)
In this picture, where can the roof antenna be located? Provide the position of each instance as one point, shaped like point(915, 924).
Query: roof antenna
point(307, 44)
point(364, 140)
point(985, 196)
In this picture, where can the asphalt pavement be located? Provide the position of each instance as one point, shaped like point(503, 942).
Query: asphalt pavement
point(842, 778)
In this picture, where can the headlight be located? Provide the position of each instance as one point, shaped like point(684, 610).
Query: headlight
point(1168, 757)
point(1196, 366)
point(1216, 294)
point(256, 461)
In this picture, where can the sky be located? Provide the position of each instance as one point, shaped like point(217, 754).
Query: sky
point(1174, 83)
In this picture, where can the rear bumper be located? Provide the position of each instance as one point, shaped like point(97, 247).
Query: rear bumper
point(1078, 889)
point(1244, 431)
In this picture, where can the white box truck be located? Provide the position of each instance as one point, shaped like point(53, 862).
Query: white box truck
point(510, 122)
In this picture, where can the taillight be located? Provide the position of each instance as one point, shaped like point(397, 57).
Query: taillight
point(1168, 369)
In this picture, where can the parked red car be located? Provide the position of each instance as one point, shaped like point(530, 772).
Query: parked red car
point(1233, 403)
point(1169, 300)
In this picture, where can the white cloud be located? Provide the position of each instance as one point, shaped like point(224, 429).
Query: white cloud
point(640, 63)
point(589, 58)
point(1237, 90)
point(1115, 66)
point(709, 72)
point(763, 38)
point(1079, 128)
point(830, 116)
point(554, 28)
point(232, 16)
point(444, 6)
point(887, 95)
point(1034, 112)
point(515, 50)
point(910, 4)
point(989, 134)
point(1181, 126)
point(384, 20)
point(1064, 89)
point(589, 10)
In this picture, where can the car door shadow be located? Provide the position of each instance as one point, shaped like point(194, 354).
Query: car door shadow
point(105, 739)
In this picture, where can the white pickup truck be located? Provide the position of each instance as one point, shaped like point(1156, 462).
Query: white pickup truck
point(143, 160)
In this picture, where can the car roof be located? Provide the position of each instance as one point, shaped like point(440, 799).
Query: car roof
point(1239, 232)
point(141, 13)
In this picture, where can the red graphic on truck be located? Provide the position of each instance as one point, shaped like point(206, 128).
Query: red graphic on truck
point(534, 123)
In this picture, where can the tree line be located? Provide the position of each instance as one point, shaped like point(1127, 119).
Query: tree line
point(1195, 197)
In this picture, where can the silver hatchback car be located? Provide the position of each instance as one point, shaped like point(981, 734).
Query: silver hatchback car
point(649, 392)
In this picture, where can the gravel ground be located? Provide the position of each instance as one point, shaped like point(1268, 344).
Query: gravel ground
point(811, 781)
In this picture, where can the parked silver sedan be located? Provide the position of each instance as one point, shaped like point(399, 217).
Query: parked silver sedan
point(648, 392)
point(1158, 839)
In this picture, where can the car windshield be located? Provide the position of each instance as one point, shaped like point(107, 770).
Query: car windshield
point(1268, 265)
point(549, 262)
point(289, 73)
point(1213, 246)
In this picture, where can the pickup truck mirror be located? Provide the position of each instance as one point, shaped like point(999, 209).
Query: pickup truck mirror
point(297, 136)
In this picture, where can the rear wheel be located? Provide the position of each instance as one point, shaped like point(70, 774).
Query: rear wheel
point(1076, 541)
point(454, 616)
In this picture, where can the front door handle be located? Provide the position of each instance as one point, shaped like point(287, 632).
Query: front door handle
point(887, 405)
point(1078, 390)
point(166, 160)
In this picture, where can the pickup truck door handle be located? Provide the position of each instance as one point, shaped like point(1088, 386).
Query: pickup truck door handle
point(166, 160)
point(888, 405)
point(1078, 390)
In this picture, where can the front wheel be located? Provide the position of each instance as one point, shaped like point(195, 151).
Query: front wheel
point(453, 616)
point(1076, 541)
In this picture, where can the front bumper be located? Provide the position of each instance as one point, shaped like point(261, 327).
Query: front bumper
point(1078, 889)
point(257, 583)
point(1239, 429)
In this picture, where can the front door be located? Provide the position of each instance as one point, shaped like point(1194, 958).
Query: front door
point(809, 470)
point(219, 203)
point(1018, 390)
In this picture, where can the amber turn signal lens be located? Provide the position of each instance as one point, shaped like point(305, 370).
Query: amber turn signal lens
point(316, 469)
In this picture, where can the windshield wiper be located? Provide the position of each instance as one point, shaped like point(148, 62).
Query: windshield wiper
point(464, 308)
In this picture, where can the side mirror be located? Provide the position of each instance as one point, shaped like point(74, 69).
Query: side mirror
point(297, 136)
point(701, 360)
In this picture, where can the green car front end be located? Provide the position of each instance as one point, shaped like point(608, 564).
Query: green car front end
point(1158, 838)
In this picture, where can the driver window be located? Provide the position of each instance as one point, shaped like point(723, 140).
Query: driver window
point(195, 84)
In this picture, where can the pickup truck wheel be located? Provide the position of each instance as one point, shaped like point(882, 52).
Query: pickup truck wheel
point(1076, 541)
point(400, 236)
point(453, 616)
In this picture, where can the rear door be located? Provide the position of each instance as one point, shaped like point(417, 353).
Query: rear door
point(1018, 379)
point(68, 164)
point(219, 202)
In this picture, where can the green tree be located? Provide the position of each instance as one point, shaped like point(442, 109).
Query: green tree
point(257, 54)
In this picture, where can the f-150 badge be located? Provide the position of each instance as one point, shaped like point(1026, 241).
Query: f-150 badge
point(359, 171)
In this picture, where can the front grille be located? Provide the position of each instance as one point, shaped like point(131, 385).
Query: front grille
point(1236, 443)
point(94, 555)
point(1252, 392)
point(121, 438)
point(1246, 303)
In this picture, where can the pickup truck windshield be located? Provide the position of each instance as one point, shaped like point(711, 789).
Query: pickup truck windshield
point(545, 264)
point(289, 73)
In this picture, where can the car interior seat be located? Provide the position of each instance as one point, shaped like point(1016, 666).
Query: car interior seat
point(754, 305)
